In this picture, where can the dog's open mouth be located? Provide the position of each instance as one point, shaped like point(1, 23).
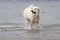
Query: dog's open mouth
point(33, 12)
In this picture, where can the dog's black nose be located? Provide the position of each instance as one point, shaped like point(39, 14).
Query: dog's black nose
point(33, 12)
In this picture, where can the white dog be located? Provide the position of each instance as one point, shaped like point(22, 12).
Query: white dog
point(31, 15)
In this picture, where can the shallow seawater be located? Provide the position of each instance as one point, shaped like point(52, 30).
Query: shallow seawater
point(48, 32)
point(12, 21)
point(12, 12)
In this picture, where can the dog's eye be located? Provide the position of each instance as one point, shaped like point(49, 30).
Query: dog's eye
point(34, 8)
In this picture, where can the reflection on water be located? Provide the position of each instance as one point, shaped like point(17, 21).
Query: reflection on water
point(48, 32)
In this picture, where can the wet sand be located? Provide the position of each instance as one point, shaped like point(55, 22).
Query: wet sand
point(48, 32)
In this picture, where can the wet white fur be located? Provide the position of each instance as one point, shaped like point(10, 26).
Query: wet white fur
point(28, 14)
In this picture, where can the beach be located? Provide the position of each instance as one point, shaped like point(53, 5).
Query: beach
point(12, 21)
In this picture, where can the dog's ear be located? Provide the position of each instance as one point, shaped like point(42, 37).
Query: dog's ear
point(33, 12)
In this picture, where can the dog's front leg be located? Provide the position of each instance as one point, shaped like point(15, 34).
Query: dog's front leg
point(31, 25)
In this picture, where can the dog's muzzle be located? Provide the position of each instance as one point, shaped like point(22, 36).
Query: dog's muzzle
point(33, 12)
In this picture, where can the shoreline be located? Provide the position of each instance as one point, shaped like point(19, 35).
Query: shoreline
point(16, 27)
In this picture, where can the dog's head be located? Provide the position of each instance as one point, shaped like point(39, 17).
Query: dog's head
point(35, 10)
